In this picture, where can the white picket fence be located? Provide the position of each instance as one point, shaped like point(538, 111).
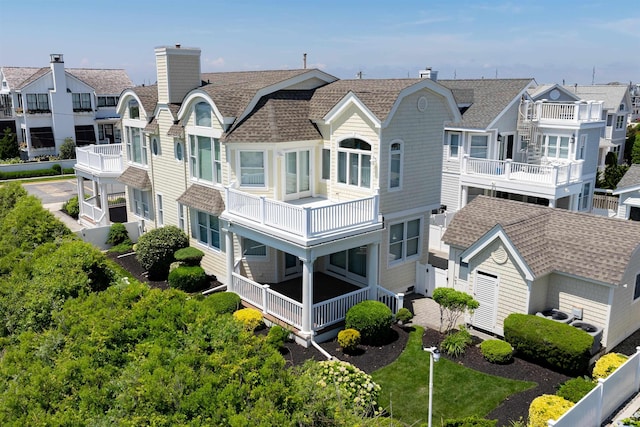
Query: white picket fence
point(608, 395)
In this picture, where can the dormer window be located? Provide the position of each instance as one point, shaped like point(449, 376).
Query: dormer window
point(134, 110)
point(354, 162)
point(622, 107)
point(203, 114)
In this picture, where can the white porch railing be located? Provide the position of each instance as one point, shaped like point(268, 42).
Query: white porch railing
point(602, 201)
point(575, 112)
point(103, 158)
point(303, 221)
point(334, 310)
point(394, 301)
point(90, 210)
point(550, 174)
point(608, 395)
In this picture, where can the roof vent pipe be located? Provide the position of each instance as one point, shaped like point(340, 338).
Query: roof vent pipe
point(177, 45)
point(304, 61)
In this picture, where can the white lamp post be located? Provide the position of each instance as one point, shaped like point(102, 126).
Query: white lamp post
point(434, 357)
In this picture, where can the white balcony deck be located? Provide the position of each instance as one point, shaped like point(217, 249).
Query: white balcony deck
point(304, 219)
point(100, 158)
point(578, 112)
point(507, 175)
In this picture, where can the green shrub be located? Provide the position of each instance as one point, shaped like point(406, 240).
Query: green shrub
point(349, 339)
point(372, 319)
point(57, 168)
point(607, 364)
point(469, 422)
point(118, 234)
point(223, 302)
point(155, 249)
point(496, 351)
point(277, 336)
point(576, 388)
point(547, 342)
point(547, 407)
point(404, 315)
point(456, 344)
point(10, 193)
point(72, 207)
point(250, 318)
point(189, 255)
point(188, 278)
point(68, 149)
point(453, 305)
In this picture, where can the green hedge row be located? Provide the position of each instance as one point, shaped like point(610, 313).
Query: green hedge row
point(36, 173)
point(548, 342)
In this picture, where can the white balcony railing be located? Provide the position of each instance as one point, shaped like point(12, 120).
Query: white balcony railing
point(576, 112)
point(103, 158)
point(550, 174)
point(304, 221)
point(89, 209)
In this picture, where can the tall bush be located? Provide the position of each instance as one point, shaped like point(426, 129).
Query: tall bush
point(68, 149)
point(453, 305)
point(118, 234)
point(155, 250)
point(9, 145)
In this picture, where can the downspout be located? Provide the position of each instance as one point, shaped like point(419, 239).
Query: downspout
point(322, 350)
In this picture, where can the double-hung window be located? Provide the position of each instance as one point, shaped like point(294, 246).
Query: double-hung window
point(354, 162)
point(620, 122)
point(141, 203)
point(454, 145)
point(557, 147)
point(326, 163)
point(207, 229)
point(479, 146)
point(404, 240)
point(252, 173)
point(395, 166)
point(81, 101)
point(136, 146)
point(38, 102)
point(204, 157)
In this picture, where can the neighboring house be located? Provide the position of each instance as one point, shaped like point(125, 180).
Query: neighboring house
point(44, 106)
point(628, 191)
point(510, 145)
point(634, 93)
point(521, 258)
point(308, 194)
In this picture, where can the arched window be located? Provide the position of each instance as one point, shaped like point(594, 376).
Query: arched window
point(354, 162)
point(395, 165)
point(203, 114)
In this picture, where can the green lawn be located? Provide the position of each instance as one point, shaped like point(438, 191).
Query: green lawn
point(457, 391)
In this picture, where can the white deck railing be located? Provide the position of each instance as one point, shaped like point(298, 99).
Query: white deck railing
point(334, 310)
point(304, 221)
point(602, 201)
point(576, 112)
point(90, 210)
point(608, 395)
point(550, 174)
point(394, 301)
point(103, 158)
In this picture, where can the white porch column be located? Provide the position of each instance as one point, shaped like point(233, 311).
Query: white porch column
point(104, 204)
point(95, 189)
point(465, 195)
point(552, 203)
point(228, 242)
point(372, 270)
point(307, 297)
point(80, 186)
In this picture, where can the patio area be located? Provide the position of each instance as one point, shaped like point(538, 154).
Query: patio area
point(325, 287)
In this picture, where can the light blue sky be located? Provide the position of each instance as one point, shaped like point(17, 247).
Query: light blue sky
point(547, 40)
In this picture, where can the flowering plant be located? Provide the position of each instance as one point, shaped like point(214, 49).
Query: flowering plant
point(357, 389)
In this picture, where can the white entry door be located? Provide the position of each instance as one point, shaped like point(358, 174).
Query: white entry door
point(297, 167)
point(486, 293)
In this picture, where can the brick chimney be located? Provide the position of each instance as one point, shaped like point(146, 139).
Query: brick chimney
point(178, 72)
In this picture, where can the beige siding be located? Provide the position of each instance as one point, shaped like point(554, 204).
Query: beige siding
point(539, 291)
point(162, 74)
point(625, 312)
point(512, 288)
point(261, 270)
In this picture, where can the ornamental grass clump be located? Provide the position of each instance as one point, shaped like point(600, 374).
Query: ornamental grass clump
point(356, 389)
point(496, 351)
point(250, 318)
point(607, 364)
point(456, 344)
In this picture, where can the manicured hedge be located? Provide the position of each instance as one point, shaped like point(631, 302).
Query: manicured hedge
point(189, 255)
point(547, 342)
point(372, 319)
point(35, 173)
point(496, 351)
point(223, 302)
point(189, 278)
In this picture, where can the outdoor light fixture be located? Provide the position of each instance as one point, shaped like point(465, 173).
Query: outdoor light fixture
point(572, 139)
point(434, 357)
point(499, 138)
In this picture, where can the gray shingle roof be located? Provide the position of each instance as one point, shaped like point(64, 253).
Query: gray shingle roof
point(612, 95)
point(203, 198)
point(631, 178)
point(16, 75)
point(103, 81)
point(488, 98)
point(584, 245)
point(148, 97)
point(136, 178)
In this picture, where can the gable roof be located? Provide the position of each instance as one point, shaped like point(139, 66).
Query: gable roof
point(148, 96)
point(103, 81)
point(612, 95)
point(551, 240)
point(487, 98)
point(539, 90)
point(630, 180)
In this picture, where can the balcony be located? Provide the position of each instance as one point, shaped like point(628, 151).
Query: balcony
point(306, 221)
point(100, 158)
point(507, 175)
point(544, 112)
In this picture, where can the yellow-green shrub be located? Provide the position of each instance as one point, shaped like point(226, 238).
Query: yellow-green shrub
point(607, 364)
point(547, 407)
point(250, 317)
point(348, 339)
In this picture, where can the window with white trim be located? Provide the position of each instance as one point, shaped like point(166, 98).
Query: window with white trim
point(204, 159)
point(81, 101)
point(404, 240)
point(203, 114)
point(178, 150)
point(351, 263)
point(136, 145)
point(140, 200)
point(253, 249)
point(181, 218)
point(326, 163)
point(160, 209)
point(354, 162)
point(134, 109)
point(636, 289)
point(583, 197)
point(479, 146)
point(155, 146)
point(609, 119)
point(252, 172)
point(206, 229)
point(556, 147)
point(107, 101)
point(620, 122)
point(395, 165)
point(38, 103)
point(454, 145)
point(582, 148)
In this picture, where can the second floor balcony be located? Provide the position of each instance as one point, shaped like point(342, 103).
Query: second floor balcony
point(100, 158)
point(544, 112)
point(305, 221)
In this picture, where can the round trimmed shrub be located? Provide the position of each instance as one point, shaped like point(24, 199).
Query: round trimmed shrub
point(547, 407)
point(348, 339)
point(155, 249)
point(189, 255)
point(277, 336)
point(575, 389)
point(497, 351)
point(188, 278)
point(404, 315)
point(56, 168)
point(372, 319)
point(223, 302)
point(250, 318)
point(607, 364)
